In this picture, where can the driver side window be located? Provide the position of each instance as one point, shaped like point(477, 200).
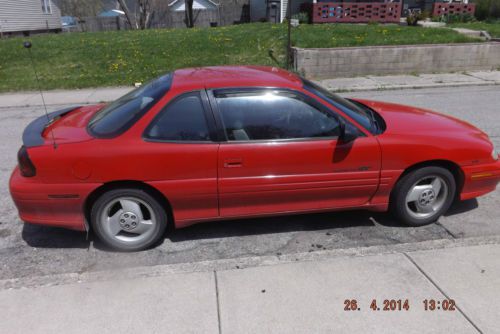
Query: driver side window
point(273, 115)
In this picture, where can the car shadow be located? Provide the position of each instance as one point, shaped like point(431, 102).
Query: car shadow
point(54, 237)
point(459, 207)
point(282, 224)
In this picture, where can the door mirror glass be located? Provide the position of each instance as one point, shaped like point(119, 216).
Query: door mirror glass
point(348, 132)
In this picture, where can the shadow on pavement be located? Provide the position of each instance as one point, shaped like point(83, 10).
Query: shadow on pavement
point(54, 237)
point(282, 224)
point(462, 206)
point(334, 222)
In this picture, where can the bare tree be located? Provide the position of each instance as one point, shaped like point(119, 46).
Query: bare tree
point(128, 14)
point(80, 9)
point(146, 12)
point(188, 4)
point(141, 17)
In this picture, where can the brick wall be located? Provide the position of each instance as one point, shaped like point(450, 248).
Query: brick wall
point(384, 60)
point(356, 12)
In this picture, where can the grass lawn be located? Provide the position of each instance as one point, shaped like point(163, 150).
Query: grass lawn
point(492, 28)
point(80, 60)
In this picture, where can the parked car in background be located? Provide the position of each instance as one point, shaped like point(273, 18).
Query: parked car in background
point(69, 23)
point(236, 142)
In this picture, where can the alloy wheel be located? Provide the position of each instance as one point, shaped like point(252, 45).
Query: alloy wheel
point(128, 219)
point(426, 197)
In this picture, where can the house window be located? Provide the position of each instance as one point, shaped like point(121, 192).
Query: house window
point(46, 7)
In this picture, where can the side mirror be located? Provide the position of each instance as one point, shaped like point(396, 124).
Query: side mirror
point(348, 132)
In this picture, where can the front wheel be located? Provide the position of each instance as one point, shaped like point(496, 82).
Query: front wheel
point(423, 195)
point(128, 219)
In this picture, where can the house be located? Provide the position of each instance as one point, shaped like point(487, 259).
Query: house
point(274, 10)
point(111, 13)
point(26, 16)
point(179, 5)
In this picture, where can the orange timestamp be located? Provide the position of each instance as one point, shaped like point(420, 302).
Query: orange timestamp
point(401, 305)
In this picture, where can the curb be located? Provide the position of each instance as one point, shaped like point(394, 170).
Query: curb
point(238, 263)
point(402, 87)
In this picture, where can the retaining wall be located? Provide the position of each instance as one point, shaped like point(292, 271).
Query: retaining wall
point(386, 60)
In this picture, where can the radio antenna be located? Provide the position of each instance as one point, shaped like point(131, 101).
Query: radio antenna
point(28, 45)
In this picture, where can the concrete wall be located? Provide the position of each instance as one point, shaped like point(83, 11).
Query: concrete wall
point(383, 60)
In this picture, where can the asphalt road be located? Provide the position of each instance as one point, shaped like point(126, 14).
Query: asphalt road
point(28, 250)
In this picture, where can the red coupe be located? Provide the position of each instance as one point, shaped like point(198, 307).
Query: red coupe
point(228, 142)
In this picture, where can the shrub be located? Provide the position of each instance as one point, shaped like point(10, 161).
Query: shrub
point(457, 18)
point(487, 9)
point(413, 17)
point(303, 17)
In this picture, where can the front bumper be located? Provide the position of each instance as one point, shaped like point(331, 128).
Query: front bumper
point(59, 205)
point(480, 179)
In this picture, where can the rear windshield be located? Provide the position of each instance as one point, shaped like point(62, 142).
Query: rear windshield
point(119, 116)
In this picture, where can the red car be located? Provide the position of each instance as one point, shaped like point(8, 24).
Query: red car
point(228, 142)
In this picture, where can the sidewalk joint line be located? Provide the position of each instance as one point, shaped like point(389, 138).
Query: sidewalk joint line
point(475, 77)
point(218, 302)
point(442, 291)
point(447, 231)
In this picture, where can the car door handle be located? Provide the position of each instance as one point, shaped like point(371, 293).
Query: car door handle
point(233, 163)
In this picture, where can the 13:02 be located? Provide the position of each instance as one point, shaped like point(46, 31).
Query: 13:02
point(445, 305)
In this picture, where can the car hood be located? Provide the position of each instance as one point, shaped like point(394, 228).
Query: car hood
point(407, 120)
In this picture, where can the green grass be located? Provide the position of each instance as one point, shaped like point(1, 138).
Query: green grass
point(492, 28)
point(80, 60)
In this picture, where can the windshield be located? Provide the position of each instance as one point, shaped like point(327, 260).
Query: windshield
point(117, 117)
point(361, 115)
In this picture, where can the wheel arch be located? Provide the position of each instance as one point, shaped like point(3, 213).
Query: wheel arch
point(96, 193)
point(451, 166)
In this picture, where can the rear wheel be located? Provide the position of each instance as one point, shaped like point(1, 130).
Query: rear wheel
point(128, 219)
point(423, 195)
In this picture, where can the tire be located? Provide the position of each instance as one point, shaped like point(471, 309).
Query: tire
point(418, 200)
point(128, 219)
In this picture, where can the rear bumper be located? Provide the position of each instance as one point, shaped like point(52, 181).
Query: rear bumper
point(480, 180)
point(59, 205)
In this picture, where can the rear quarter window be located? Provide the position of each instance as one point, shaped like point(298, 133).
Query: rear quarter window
point(118, 116)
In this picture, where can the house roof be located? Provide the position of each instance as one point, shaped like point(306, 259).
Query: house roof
point(109, 13)
point(182, 2)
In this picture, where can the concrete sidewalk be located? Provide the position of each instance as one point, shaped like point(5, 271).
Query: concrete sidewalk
point(479, 78)
point(106, 94)
point(296, 297)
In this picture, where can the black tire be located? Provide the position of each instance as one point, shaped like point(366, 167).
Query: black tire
point(398, 202)
point(147, 202)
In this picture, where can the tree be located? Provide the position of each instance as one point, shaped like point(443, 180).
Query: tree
point(79, 9)
point(141, 18)
point(188, 10)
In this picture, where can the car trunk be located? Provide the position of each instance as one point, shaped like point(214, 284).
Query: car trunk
point(63, 126)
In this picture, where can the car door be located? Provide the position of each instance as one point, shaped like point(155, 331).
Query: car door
point(180, 157)
point(282, 154)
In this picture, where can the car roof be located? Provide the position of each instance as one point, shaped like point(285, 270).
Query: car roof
point(234, 76)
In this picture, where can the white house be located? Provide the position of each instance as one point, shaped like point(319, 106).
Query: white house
point(28, 16)
point(179, 5)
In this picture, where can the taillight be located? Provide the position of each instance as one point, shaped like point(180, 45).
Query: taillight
point(25, 165)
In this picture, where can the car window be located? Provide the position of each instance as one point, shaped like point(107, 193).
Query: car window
point(271, 115)
point(360, 114)
point(119, 116)
point(181, 120)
